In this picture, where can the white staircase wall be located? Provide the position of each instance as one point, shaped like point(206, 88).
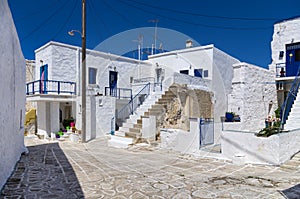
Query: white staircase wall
point(293, 120)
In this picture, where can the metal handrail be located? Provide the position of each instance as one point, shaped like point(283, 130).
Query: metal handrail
point(120, 93)
point(50, 86)
point(287, 104)
point(129, 108)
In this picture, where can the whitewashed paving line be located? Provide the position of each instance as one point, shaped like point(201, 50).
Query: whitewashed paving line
point(45, 153)
point(69, 157)
point(60, 166)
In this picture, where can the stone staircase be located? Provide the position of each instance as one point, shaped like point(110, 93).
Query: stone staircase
point(293, 121)
point(131, 130)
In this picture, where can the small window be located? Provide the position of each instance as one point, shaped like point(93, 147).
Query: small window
point(198, 72)
point(92, 75)
point(205, 73)
point(184, 72)
point(281, 53)
point(297, 55)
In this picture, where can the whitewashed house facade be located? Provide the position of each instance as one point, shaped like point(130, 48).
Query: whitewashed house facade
point(219, 73)
point(12, 81)
point(57, 87)
point(285, 65)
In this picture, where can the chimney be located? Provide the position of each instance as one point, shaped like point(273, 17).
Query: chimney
point(189, 43)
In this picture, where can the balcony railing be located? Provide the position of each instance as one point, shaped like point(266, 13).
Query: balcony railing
point(120, 93)
point(280, 70)
point(50, 87)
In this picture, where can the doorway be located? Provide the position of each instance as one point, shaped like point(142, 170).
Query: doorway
point(113, 81)
point(43, 78)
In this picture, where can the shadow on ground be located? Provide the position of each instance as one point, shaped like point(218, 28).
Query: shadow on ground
point(43, 173)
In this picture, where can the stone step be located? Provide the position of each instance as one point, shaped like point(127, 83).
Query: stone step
point(164, 100)
point(292, 118)
point(128, 124)
point(157, 106)
point(119, 133)
point(295, 109)
point(296, 105)
point(134, 130)
point(168, 92)
point(124, 129)
point(139, 121)
point(119, 142)
point(153, 112)
point(133, 118)
point(142, 112)
point(133, 134)
point(139, 126)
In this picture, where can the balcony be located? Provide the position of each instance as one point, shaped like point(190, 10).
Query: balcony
point(53, 87)
point(119, 93)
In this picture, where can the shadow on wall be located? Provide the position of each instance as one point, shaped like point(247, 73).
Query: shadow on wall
point(44, 173)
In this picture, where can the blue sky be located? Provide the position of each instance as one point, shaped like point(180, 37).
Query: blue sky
point(242, 29)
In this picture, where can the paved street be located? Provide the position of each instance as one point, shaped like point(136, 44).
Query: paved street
point(93, 170)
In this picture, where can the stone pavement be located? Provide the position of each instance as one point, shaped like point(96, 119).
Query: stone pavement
point(94, 170)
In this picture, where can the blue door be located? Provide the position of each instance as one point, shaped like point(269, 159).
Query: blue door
point(113, 81)
point(292, 59)
point(43, 79)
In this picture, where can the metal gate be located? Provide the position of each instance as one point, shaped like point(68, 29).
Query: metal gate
point(206, 131)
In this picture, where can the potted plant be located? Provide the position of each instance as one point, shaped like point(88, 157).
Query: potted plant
point(229, 116)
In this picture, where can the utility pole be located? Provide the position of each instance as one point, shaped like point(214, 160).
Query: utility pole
point(83, 73)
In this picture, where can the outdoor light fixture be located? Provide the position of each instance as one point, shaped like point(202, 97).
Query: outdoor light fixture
point(71, 33)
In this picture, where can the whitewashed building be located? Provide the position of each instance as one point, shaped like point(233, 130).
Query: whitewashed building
point(113, 81)
point(278, 148)
point(56, 89)
point(12, 81)
point(285, 65)
point(239, 87)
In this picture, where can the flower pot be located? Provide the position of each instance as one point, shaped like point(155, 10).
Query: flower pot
point(229, 117)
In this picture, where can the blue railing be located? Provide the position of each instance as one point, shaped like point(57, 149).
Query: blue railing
point(120, 93)
point(280, 70)
point(50, 86)
point(129, 108)
point(289, 101)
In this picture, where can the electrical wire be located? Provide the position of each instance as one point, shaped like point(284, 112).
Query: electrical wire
point(126, 19)
point(49, 6)
point(45, 22)
point(204, 15)
point(191, 23)
point(68, 19)
point(91, 7)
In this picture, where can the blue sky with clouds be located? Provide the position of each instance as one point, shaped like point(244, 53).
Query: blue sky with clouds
point(242, 29)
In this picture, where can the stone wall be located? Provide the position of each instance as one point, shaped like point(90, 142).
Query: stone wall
point(30, 76)
point(12, 106)
point(187, 103)
point(253, 96)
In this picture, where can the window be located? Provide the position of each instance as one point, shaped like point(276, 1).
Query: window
point(297, 55)
point(198, 72)
point(281, 53)
point(184, 72)
point(92, 75)
point(205, 73)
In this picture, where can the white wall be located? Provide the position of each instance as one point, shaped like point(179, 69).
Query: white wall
point(186, 59)
point(253, 89)
point(12, 94)
point(274, 150)
point(284, 33)
point(64, 64)
point(221, 83)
